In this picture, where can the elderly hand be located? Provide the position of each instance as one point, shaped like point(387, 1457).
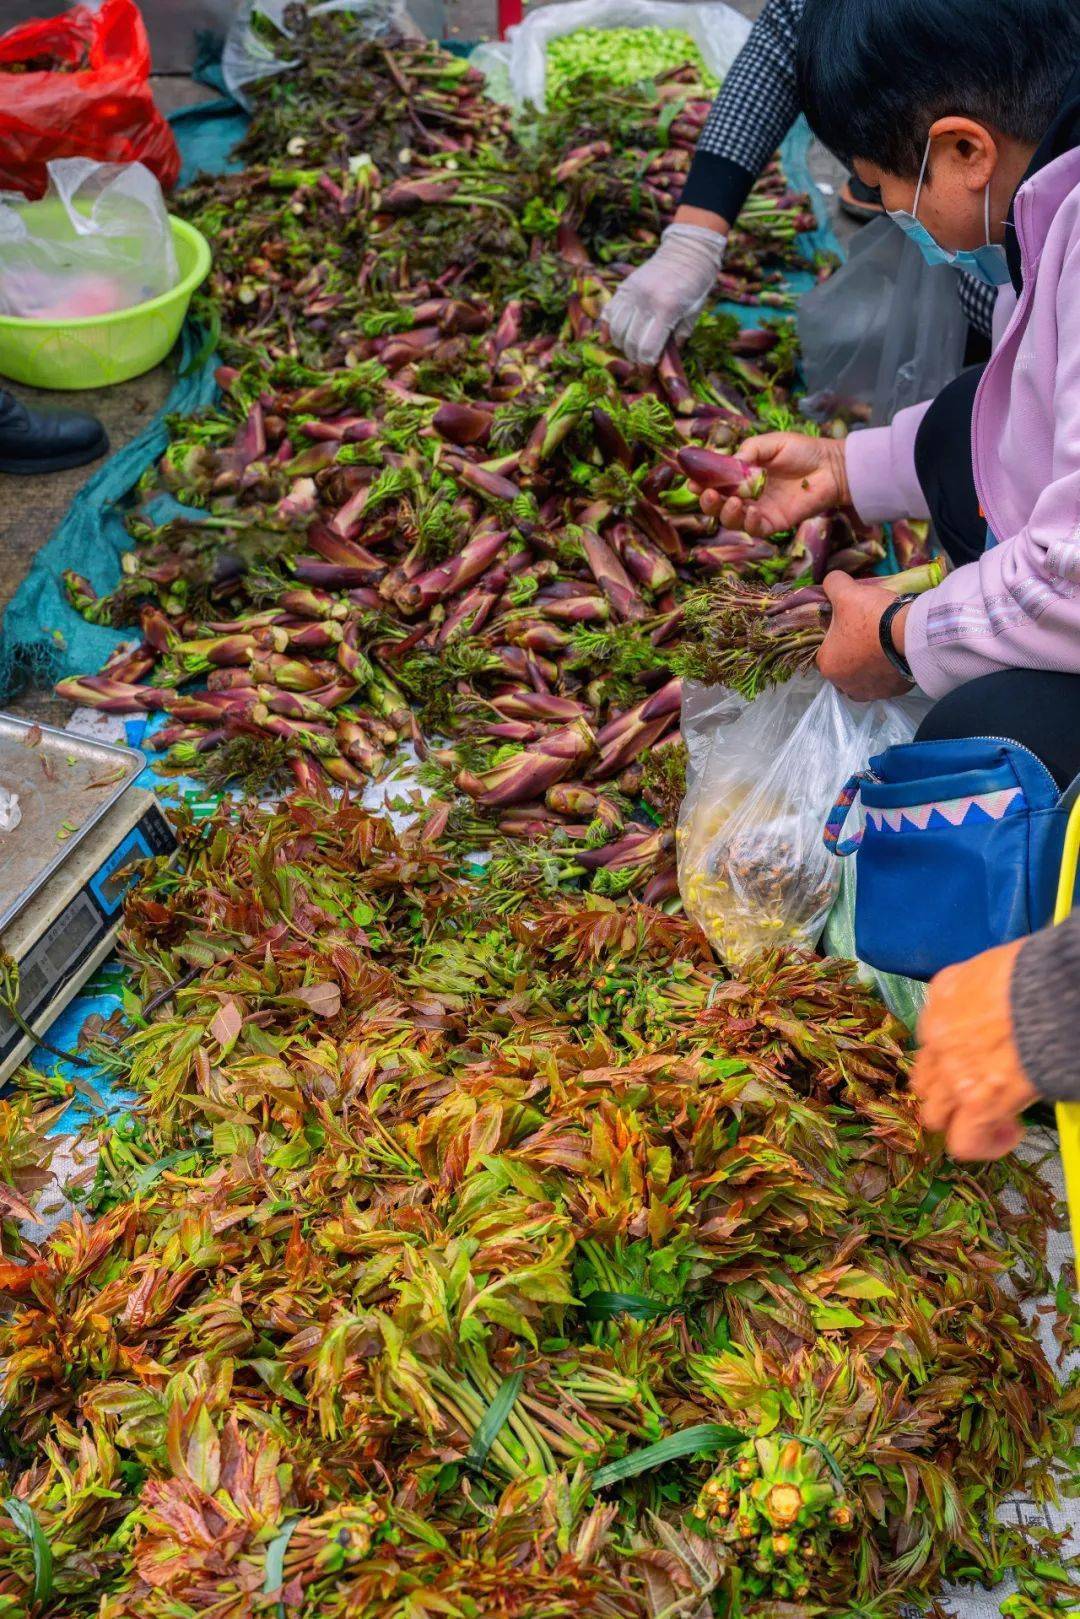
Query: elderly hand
point(851, 655)
point(667, 294)
point(968, 1074)
point(803, 477)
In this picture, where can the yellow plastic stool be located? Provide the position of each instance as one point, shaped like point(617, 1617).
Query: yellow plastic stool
point(1068, 1113)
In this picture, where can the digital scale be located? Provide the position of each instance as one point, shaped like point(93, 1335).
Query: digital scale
point(64, 868)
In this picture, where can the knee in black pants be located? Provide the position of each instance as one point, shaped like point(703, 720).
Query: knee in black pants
point(1037, 708)
point(944, 467)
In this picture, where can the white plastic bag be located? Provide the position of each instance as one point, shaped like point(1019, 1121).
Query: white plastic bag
point(761, 780)
point(98, 241)
point(886, 330)
point(248, 57)
point(718, 31)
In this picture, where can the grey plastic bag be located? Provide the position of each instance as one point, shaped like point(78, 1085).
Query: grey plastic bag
point(887, 330)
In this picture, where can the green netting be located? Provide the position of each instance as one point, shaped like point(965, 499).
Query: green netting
point(42, 639)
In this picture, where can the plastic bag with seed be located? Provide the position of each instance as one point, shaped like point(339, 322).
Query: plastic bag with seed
point(761, 779)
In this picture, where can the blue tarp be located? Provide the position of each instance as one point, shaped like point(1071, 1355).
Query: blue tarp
point(42, 638)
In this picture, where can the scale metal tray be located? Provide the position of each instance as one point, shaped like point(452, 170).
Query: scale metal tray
point(65, 784)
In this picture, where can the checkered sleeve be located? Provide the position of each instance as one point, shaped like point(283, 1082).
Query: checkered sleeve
point(977, 301)
point(754, 110)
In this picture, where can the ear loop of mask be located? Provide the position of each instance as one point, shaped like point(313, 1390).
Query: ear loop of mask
point(922, 177)
point(918, 193)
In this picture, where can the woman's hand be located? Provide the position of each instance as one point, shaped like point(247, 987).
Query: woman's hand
point(804, 476)
point(968, 1074)
point(851, 656)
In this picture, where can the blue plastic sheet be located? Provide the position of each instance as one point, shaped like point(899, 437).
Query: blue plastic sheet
point(42, 638)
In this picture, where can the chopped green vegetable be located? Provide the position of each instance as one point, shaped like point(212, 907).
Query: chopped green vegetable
point(622, 56)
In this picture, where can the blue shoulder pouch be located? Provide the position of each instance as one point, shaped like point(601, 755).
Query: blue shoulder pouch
point(959, 851)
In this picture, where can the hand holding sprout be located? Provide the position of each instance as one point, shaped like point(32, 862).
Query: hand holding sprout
point(799, 477)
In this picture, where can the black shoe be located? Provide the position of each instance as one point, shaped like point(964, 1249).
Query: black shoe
point(46, 440)
point(860, 202)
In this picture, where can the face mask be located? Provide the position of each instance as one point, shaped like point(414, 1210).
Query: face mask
point(987, 263)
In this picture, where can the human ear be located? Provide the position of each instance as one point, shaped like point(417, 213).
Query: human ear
point(967, 150)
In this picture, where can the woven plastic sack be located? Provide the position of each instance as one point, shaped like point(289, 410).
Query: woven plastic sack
point(886, 330)
point(252, 52)
point(519, 67)
point(761, 780)
point(78, 85)
point(99, 241)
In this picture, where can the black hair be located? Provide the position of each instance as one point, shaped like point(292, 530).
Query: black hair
point(874, 75)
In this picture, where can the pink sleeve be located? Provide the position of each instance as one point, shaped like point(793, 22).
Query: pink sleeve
point(1018, 606)
point(881, 468)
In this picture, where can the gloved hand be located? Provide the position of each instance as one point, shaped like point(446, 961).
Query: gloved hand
point(668, 292)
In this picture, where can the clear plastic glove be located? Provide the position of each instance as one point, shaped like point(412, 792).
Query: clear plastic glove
point(667, 294)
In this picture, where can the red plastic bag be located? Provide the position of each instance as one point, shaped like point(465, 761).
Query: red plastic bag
point(78, 85)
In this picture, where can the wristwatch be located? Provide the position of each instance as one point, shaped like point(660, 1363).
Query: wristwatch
point(897, 659)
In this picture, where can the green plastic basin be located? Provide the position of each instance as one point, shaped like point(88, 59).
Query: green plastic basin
point(98, 350)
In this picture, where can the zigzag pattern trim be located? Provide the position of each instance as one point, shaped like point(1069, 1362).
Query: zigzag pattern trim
point(947, 811)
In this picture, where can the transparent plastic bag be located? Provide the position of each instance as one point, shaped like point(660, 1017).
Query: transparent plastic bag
point(98, 241)
point(761, 780)
point(248, 56)
point(718, 31)
point(887, 330)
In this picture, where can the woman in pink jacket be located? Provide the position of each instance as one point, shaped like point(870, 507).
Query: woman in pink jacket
point(966, 113)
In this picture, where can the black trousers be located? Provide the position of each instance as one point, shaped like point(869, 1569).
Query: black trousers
point(1038, 708)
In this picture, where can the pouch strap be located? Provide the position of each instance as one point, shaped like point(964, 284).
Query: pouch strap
point(834, 826)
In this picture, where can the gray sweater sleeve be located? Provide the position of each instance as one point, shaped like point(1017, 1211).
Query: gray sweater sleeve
point(1045, 996)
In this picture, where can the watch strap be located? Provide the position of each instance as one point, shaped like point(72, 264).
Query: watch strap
point(885, 636)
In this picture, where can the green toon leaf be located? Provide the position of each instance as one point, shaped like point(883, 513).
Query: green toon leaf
point(699, 1440)
point(939, 1189)
point(275, 1561)
point(608, 1306)
point(824, 1452)
point(491, 1423)
point(26, 1522)
point(143, 1181)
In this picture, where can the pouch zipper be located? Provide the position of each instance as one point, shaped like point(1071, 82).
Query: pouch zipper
point(1010, 743)
point(1007, 741)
